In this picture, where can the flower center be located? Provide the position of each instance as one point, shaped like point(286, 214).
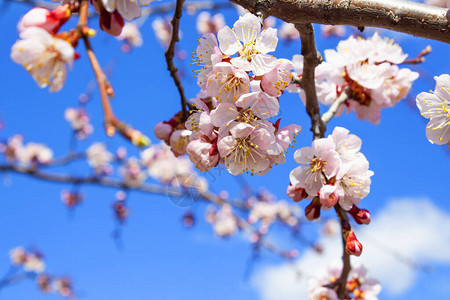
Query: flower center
point(248, 51)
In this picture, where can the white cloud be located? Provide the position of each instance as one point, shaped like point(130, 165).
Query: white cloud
point(405, 231)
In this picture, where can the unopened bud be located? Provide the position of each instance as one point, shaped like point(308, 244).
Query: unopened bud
point(163, 130)
point(352, 245)
point(328, 196)
point(62, 13)
point(361, 216)
point(188, 219)
point(296, 193)
point(312, 211)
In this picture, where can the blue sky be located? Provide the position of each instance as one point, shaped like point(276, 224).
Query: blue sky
point(160, 259)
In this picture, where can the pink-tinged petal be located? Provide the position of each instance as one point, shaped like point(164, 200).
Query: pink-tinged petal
point(223, 113)
point(241, 63)
point(247, 28)
point(262, 64)
point(228, 42)
point(304, 155)
point(298, 64)
point(262, 138)
point(268, 40)
point(242, 130)
point(205, 124)
point(286, 135)
point(268, 82)
point(255, 85)
point(298, 175)
point(37, 34)
point(247, 100)
point(128, 9)
point(265, 106)
point(24, 52)
point(438, 132)
point(66, 50)
point(110, 5)
point(257, 162)
point(226, 145)
point(235, 168)
point(200, 104)
point(442, 85)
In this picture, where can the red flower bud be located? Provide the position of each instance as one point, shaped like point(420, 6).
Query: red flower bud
point(312, 211)
point(352, 245)
point(361, 216)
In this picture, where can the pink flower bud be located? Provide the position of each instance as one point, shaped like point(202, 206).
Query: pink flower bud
point(163, 130)
point(352, 245)
point(111, 23)
point(312, 211)
point(361, 216)
point(203, 154)
point(45, 19)
point(328, 196)
point(296, 193)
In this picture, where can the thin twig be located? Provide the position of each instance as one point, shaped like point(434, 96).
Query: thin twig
point(326, 117)
point(170, 53)
point(15, 279)
point(420, 58)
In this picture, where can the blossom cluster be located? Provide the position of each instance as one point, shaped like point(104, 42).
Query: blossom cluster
point(359, 285)
point(436, 107)
point(369, 69)
point(156, 161)
point(239, 94)
point(32, 261)
point(333, 171)
point(262, 210)
point(79, 122)
point(29, 154)
point(42, 51)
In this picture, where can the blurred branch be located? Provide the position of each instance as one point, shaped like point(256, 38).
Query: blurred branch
point(164, 8)
point(145, 188)
point(399, 15)
point(15, 279)
point(111, 122)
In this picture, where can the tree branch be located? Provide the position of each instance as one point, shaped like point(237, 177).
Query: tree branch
point(311, 59)
point(399, 15)
point(170, 53)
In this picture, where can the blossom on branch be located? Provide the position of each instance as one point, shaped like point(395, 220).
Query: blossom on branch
point(359, 285)
point(44, 57)
point(333, 169)
point(369, 69)
point(230, 123)
point(436, 107)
